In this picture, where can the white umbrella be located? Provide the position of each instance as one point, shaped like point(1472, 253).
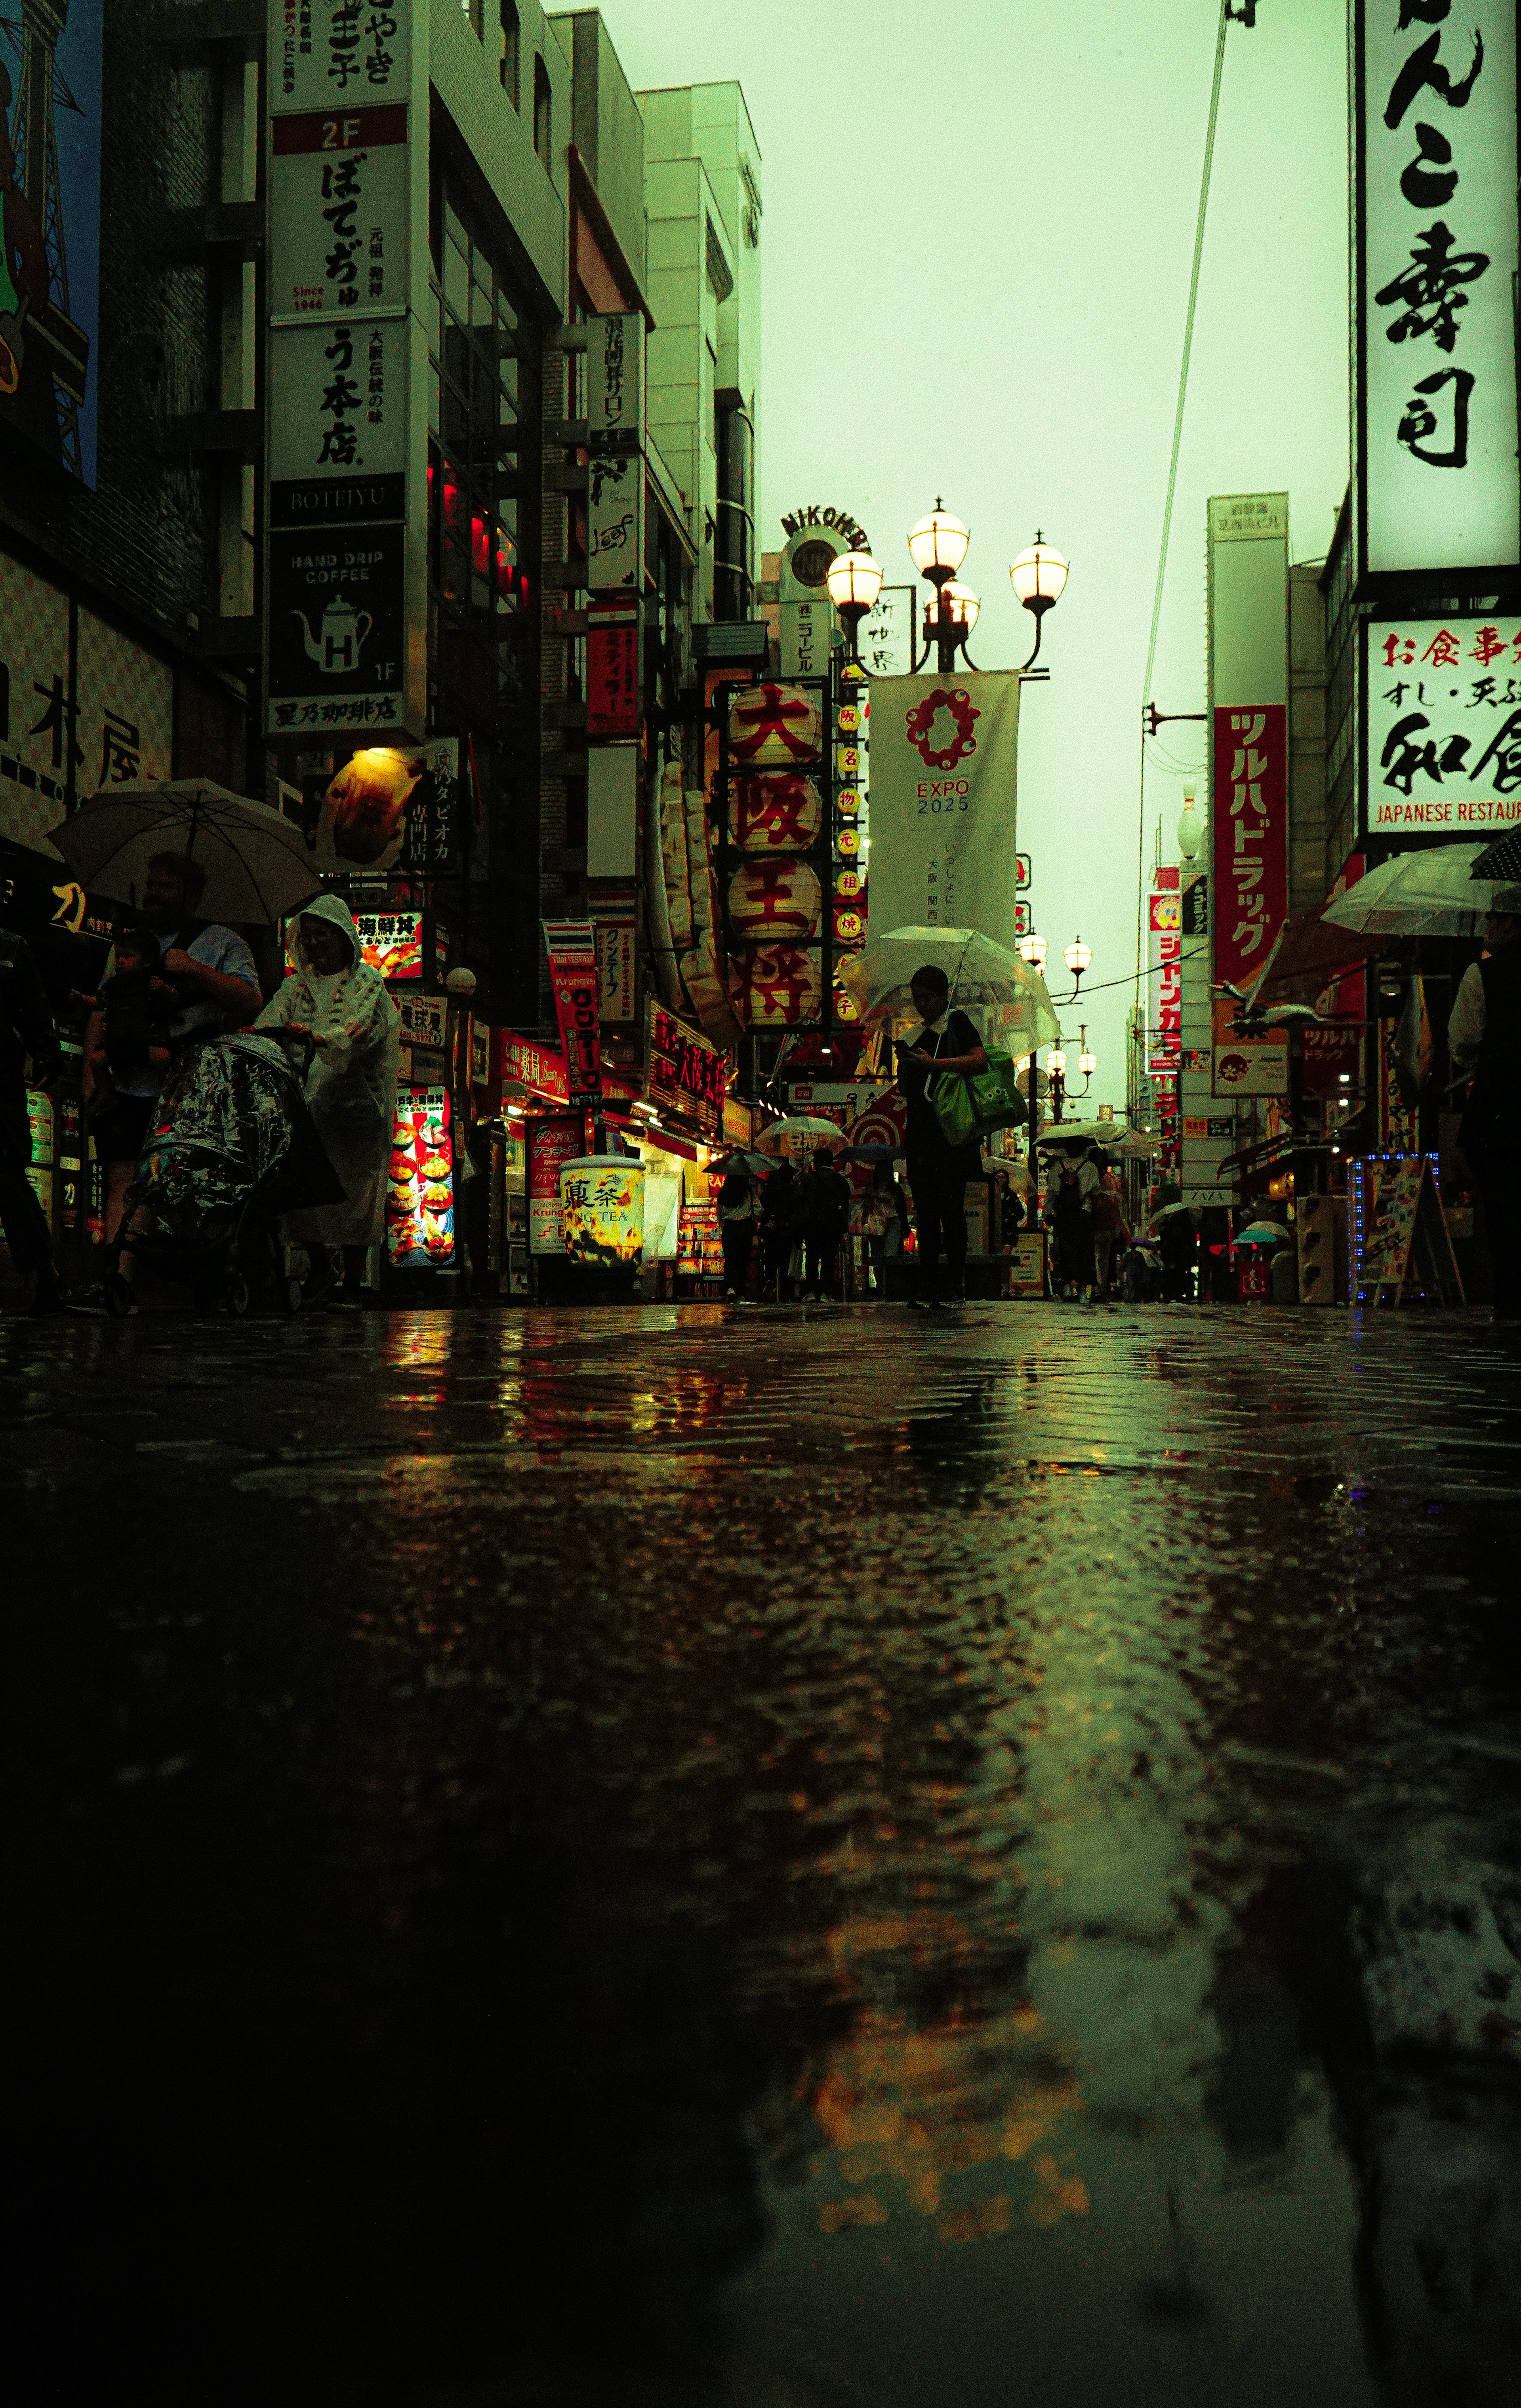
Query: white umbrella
point(798, 1134)
point(1108, 1133)
point(979, 972)
point(256, 861)
point(1428, 893)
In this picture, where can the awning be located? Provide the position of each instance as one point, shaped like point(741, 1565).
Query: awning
point(1308, 954)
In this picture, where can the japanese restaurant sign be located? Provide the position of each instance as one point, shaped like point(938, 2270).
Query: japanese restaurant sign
point(1444, 723)
point(683, 1073)
point(1436, 256)
point(1250, 838)
point(536, 1067)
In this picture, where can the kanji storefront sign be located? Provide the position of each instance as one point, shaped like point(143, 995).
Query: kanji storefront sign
point(613, 666)
point(574, 979)
point(1444, 723)
point(337, 54)
point(338, 204)
point(1250, 838)
point(1436, 257)
point(683, 1073)
point(1164, 924)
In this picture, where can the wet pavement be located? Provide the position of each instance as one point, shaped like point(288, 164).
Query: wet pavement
point(747, 1860)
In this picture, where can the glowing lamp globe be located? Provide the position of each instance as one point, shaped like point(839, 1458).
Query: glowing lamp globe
point(1077, 957)
point(1037, 576)
point(938, 545)
point(961, 605)
point(1056, 1063)
point(1087, 1064)
point(854, 581)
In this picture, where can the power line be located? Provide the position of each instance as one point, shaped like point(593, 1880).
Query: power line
point(1177, 445)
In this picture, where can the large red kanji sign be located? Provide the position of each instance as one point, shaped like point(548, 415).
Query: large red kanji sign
point(1250, 838)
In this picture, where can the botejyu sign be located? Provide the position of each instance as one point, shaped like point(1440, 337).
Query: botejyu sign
point(944, 754)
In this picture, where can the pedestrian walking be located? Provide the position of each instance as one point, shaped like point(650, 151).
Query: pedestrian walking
point(737, 1229)
point(1179, 1250)
point(1483, 1035)
point(1107, 1208)
point(1069, 1194)
point(26, 1027)
point(884, 1219)
point(1009, 1212)
point(824, 1202)
point(341, 1004)
point(777, 1229)
point(939, 1172)
point(215, 986)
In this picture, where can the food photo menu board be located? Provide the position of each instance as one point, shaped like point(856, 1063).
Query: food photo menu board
point(419, 1195)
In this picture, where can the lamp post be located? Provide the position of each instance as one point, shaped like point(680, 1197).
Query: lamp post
point(1077, 957)
point(938, 545)
point(1087, 1063)
point(1037, 578)
point(854, 582)
point(1057, 1073)
point(1034, 949)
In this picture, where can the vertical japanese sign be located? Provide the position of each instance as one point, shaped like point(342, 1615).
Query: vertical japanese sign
point(944, 758)
point(346, 582)
point(612, 666)
point(1250, 838)
point(1164, 923)
point(1435, 407)
point(49, 263)
point(615, 471)
point(575, 982)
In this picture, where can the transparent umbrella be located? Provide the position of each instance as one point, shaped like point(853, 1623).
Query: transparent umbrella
point(798, 1134)
point(979, 972)
point(1433, 893)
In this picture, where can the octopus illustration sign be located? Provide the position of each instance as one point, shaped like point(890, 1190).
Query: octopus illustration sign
point(944, 763)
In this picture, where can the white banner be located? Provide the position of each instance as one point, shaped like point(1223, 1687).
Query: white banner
point(340, 214)
point(945, 755)
point(1436, 405)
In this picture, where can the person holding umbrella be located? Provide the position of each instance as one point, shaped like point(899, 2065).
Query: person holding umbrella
point(939, 1172)
point(1484, 1037)
point(212, 972)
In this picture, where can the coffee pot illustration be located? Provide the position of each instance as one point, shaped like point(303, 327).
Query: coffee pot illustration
point(339, 638)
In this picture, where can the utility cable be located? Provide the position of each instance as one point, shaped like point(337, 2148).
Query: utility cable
point(1172, 469)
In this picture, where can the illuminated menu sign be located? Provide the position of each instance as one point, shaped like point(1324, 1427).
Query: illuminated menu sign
point(683, 1074)
point(392, 942)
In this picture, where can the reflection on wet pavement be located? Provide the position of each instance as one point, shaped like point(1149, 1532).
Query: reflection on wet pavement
point(682, 1858)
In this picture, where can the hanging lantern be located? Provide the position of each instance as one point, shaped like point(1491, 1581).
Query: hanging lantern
point(847, 885)
point(780, 813)
point(775, 986)
point(773, 726)
point(774, 898)
point(847, 841)
point(850, 927)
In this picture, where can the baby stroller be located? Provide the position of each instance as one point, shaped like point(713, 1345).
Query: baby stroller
point(231, 1148)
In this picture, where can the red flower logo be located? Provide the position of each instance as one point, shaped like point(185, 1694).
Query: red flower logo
point(959, 703)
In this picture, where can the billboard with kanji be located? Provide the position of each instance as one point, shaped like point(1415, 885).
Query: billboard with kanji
point(1250, 838)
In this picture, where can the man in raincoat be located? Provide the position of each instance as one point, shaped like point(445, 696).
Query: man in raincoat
point(341, 1004)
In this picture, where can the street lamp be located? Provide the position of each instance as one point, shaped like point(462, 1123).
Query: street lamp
point(854, 582)
point(1034, 949)
point(1087, 1063)
point(1077, 957)
point(1037, 578)
point(1057, 1073)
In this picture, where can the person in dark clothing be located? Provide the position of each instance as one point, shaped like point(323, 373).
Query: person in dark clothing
point(26, 1027)
point(1179, 1250)
point(776, 1227)
point(939, 1172)
point(1485, 1038)
point(824, 1203)
point(136, 1009)
point(736, 1231)
point(1009, 1209)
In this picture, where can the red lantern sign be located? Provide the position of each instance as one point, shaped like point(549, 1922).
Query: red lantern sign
point(775, 986)
point(777, 814)
point(774, 898)
point(773, 726)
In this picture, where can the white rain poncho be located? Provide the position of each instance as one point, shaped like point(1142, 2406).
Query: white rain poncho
point(351, 1083)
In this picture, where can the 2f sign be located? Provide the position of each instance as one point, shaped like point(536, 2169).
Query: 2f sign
point(1437, 252)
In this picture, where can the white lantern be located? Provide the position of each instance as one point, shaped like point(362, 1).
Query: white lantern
point(1034, 949)
point(961, 607)
point(854, 581)
point(1077, 957)
point(1037, 576)
point(1056, 1063)
point(938, 545)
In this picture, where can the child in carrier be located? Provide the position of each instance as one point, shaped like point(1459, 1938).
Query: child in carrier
point(137, 1006)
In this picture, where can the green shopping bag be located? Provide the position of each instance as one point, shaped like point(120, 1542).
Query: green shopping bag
point(973, 1104)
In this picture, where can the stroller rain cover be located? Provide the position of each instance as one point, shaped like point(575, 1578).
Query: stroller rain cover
point(232, 1120)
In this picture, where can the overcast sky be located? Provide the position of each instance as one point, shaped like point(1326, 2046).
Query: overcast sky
point(979, 221)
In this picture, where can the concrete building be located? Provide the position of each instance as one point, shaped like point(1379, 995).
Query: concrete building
point(703, 194)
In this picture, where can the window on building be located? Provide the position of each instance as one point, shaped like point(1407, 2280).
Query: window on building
point(734, 559)
point(510, 60)
point(483, 368)
point(473, 10)
point(720, 280)
point(543, 111)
